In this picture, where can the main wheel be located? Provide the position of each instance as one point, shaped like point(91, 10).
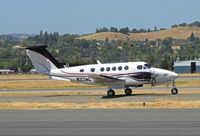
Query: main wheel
point(174, 91)
point(110, 92)
point(128, 91)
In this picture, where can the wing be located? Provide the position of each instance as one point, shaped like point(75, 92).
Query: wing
point(104, 79)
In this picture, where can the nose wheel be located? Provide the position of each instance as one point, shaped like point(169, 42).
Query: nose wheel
point(174, 91)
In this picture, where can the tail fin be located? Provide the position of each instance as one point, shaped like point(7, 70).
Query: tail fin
point(42, 60)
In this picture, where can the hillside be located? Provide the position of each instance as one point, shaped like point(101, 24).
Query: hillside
point(177, 33)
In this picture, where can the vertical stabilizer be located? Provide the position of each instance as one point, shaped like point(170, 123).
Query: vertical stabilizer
point(42, 60)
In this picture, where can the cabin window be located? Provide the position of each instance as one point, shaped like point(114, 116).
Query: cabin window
point(139, 67)
point(126, 67)
point(81, 70)
point(92, 69)
point(108, 69)
point(114, 68)
point(119, 68)
point(102, 69)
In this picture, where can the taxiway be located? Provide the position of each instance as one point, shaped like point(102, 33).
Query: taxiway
point(84, 122)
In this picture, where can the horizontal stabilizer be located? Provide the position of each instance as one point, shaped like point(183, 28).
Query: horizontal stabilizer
point(58, 78)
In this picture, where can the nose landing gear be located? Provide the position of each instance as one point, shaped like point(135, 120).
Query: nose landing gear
point(174, 90)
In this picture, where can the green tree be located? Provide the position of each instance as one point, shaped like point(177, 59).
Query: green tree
point(5, 54)
point(196, 23)
point(164, 64)
point(173, 26)
point(113, 29)
point(167, 41)
point(124, 30)
point(45, 38)
point(41, 33)
point(192, 37)
point(155, 28)
point(97, 30)
point(183, 24)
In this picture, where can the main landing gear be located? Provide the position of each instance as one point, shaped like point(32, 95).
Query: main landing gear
point(128, 91)
point(174, 90)
point(111, 92)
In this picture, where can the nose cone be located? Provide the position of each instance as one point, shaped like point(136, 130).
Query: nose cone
point(173, 75)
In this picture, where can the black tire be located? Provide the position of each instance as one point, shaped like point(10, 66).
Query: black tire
point(128, 91)
point(174, 91)
point(110, 92)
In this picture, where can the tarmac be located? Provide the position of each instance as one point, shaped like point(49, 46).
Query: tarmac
point(106, 122)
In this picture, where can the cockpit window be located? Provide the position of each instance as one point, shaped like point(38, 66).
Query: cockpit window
point(139, 67)
point(147, 66)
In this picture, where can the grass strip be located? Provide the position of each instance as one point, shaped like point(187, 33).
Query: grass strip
point(23, 76)
point(159, 104)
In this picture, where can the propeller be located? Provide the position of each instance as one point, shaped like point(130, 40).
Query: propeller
point(153, 77)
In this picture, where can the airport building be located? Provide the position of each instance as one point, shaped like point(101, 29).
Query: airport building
point(6, 71)
point(189, 66)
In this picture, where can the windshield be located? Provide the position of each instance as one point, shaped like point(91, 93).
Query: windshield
point(147, 66)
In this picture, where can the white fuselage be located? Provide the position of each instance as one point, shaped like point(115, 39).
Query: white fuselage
point(129, 74)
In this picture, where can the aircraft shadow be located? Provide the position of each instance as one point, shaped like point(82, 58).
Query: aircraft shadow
point(133, 95)
point(55, 95)
point(151, 94)
point(116, 96)
point(69, 95)
point(112, 97)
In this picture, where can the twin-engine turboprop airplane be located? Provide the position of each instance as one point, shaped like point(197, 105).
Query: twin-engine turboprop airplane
point(114, 75)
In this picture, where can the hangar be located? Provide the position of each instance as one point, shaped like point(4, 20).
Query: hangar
point(189, 66)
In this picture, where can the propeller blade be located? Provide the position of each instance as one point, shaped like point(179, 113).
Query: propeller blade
point(153, 77)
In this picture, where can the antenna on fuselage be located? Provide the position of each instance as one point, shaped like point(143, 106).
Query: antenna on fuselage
point(98, 62)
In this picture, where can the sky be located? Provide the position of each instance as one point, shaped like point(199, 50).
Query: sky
point(84, 16)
